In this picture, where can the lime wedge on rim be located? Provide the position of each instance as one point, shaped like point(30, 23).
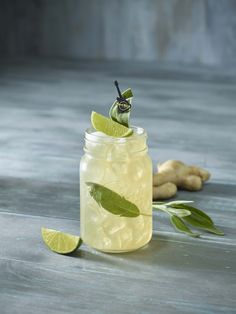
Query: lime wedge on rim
point(60, 242)
point(108, 126)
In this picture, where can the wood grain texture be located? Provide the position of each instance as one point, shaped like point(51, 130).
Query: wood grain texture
point(189, 114)
point(172, 273)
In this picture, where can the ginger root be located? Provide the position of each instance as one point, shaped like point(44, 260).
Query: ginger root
point(174, 174)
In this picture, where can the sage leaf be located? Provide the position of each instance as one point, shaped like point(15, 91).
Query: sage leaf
point(160, 207)
point(201, 224)
point(180, 226)
point(199, 219)
point(112, 201)
point(180, 212)
point(177, 203)
point(201, 214)
point(119, 116)
point(127, 93)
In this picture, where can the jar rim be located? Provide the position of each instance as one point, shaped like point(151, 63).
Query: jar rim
point(90, 134)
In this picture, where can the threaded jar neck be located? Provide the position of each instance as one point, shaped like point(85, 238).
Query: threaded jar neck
point(99, 145)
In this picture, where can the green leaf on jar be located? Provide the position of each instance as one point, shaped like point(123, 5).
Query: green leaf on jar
point(119, 116)
point(112, 201)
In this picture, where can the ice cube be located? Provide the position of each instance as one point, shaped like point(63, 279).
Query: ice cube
point(107, 243)
point(120, 169)
point(139, 223)
point(126, 236)
point(142, 237)
point(112, 227)
point(98, 145)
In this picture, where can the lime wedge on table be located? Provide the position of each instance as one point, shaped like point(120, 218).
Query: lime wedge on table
point(60, 242)
point(108, 126)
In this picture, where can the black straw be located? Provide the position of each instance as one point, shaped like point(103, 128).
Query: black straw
point(121, 99)
point(118, 89)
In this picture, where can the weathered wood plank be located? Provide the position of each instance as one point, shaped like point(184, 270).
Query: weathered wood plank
point(189, 114)
point(27, 245)
point(27, 288)
point(173, 273)
point(43, 198)
point(45, 108)
point(60, 199)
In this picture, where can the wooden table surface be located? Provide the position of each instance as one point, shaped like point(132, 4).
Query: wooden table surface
point(189, 114)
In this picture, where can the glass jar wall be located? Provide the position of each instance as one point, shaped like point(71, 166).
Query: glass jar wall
point(123, 166)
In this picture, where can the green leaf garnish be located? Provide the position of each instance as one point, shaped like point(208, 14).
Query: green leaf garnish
point(192, 220)
point(180, 213)
point(201, 220)
point(173, 203)
point(180, 226)
point(189, 214)
point(127, 93)
point(199, 213)
point(112, 201)
point(120, 110)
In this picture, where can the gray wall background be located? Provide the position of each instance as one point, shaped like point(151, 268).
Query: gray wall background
point(186, 31)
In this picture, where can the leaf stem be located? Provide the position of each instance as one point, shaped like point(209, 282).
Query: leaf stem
point(143, 214)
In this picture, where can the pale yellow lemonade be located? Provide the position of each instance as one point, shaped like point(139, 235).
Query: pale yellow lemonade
point(124, 166)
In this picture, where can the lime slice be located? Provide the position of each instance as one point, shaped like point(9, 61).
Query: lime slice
point(60, 242)
point(108, 126)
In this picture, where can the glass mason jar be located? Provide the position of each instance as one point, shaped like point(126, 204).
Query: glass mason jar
point(123, 166)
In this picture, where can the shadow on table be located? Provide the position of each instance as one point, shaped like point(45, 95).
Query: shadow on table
point(145, 254)
point(162, 253)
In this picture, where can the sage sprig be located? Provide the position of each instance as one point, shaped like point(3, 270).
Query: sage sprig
point(180, 226)
point(180, 212)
